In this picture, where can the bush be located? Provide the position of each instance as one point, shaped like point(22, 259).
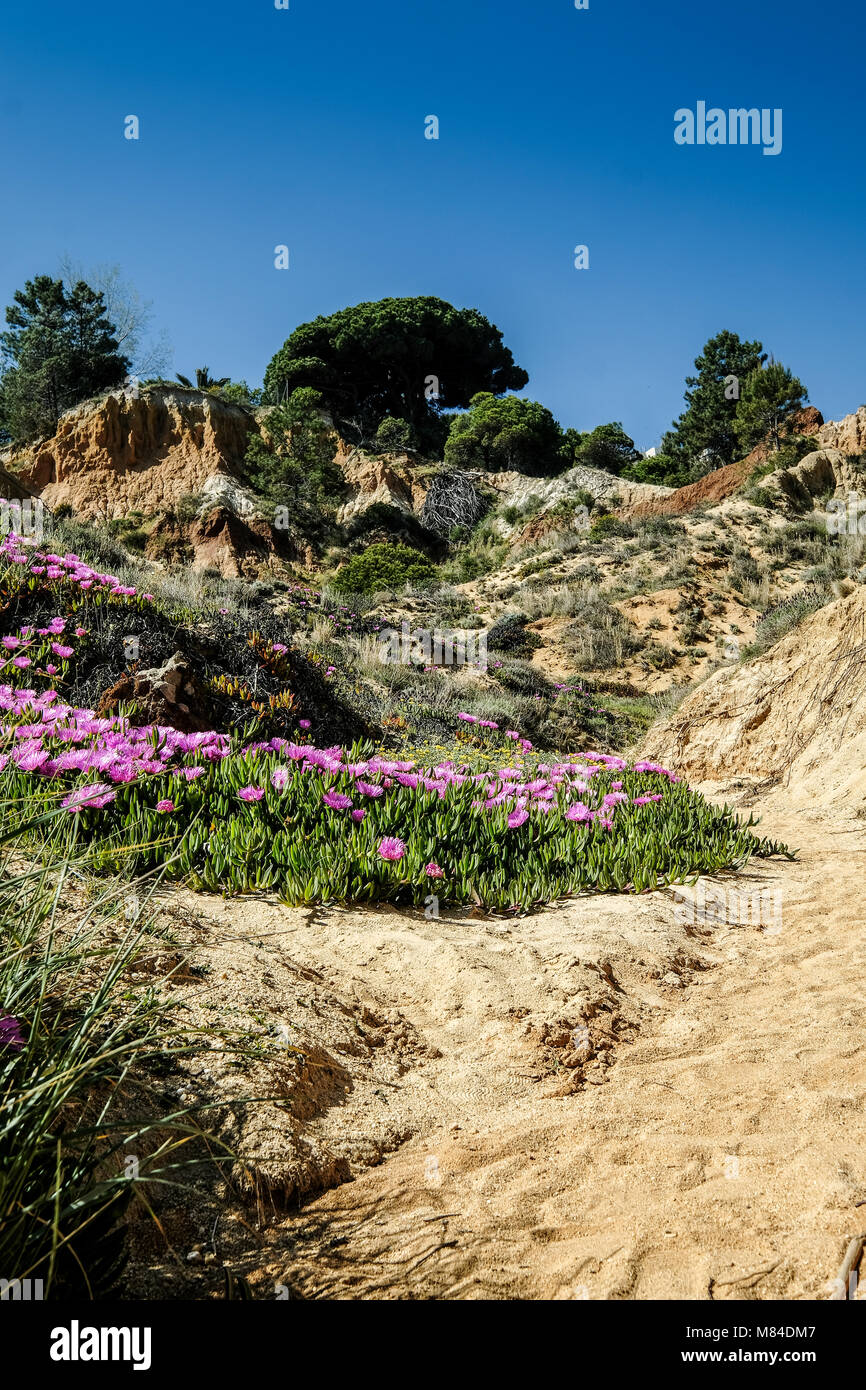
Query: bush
point(510, 635)
point(507, 433)
point(608, 525)
point(383, 567)
point(394, 435)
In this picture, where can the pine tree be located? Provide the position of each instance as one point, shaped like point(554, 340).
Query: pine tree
point(59, 349)
point(708, 426)
point(771, 396)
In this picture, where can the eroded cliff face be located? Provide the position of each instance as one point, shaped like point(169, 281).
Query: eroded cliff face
point(125, 454)
point(794, 717)
point(848, 435)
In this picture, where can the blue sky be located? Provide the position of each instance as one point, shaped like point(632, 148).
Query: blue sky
point(305, 127)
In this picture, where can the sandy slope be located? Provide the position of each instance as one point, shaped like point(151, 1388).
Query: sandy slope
point(704, 1137)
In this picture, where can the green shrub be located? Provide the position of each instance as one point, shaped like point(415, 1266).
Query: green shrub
point(608, 525)
point(394, 435)
point(384, 567)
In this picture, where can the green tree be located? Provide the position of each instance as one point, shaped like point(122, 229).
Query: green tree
point(607, 447)
point(241, 393)
point(661, 468)
point(708, 426)
point(772, 395)
point(408, 358)
point(295, 462)
point(505, 434)
point(59, 349)
point(394, 435)
point(203, 380)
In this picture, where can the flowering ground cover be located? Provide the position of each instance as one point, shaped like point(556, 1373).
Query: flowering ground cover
point(494, 824)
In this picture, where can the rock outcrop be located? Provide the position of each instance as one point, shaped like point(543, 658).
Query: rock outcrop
point(847, 435)
point(171, 695)
point(825, 472)
point(722, 482)
point(123, 454)
point(795, 716)
point(377, 478)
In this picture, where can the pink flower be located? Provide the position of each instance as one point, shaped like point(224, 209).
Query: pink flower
point(165, 805)
point(433, 871)
point(279, 648)
point(579, 812)
point(95, 795)
point(517, 818)
point(368, 789)
point(303, 723)
point(10, 643)
point(22, 662)
point(358, 816)
point(279, 778)
point(63, 652)
point(251, 793)
point(391, 848)
point(337, 801)
point(469, 718)
point(51, 670)
point(190, 773)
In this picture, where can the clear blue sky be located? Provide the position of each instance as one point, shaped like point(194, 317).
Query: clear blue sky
point(306, 127)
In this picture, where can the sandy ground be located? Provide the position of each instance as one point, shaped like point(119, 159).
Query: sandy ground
point(621, 1098)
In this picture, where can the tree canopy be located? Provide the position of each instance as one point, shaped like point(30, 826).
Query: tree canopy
point(505, 434)
point(59, 349)
point(708, 426)
point(771, 396)
point(407, 358)
point(607, 447)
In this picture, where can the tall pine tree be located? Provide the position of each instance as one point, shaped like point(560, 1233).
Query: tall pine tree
point(59, 349)
point(708, 426)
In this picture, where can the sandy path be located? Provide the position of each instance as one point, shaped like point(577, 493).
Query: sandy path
point(720, 1154)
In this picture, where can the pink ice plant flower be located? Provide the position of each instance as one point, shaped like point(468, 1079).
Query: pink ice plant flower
point(391, 848)
point(251, 793)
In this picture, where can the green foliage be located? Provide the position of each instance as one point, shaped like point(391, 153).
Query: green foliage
point(377, 359)
point(204, 381)
point(511, 635)
point(59, 349)
point(607, 447)
point(288, 843)
point(81, 1084)
point(770, 398)
point(394, 435)
point(608, 525)
point(297, 465)
point(240, 393)
point(782, 617)
point(383, 567)
point(709, 422)
point(501, 435)
point(661, 469)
